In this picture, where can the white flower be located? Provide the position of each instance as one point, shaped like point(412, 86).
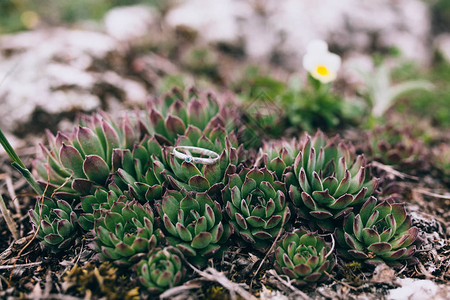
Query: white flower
point(320, 63)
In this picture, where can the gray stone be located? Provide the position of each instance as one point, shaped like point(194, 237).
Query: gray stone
point(130, 23)
point(416, 289)
point(287, 26)
point(48, 75)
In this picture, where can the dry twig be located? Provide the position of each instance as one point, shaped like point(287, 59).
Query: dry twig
point(12, 226)
point(296, 292)
point(446, 196)
point(392, 171)
point(211, 274)
point(170, 293)
point(12, 194)
point(33, 264)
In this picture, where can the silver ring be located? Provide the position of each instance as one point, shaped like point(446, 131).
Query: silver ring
point(214, 157)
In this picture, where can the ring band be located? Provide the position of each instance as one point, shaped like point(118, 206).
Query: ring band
point(214, 157)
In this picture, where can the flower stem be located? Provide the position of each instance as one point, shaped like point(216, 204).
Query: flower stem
point(29, 177)
point(10, 150)
point(18, 164)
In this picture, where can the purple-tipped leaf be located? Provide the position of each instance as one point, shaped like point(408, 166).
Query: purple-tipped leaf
point(380, 248)
point(71, 159)
point(302, 270)
point(96, 169)
point(201, 240)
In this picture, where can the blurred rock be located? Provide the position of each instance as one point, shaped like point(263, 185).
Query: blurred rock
point(130, 23)
point(383, 273)
point(217, 21)
point(272, 26)
point(49, 75)
point(416, 289)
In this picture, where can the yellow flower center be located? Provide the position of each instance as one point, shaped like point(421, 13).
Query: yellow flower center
point(322, 70)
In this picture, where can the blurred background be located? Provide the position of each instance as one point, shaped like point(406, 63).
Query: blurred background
point(59, 58)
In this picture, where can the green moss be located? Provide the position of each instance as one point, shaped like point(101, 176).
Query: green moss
point(102, 281)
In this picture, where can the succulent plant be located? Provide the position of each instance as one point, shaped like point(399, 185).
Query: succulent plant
point(214, 137)
point(256, 205)
point(124, 233)
point(57, 223)
point(396, 146)
point(170, 116)
point(278, 156)
point(140, 173)
point(162, 270)
point(202, 178)
point(194, 120)
point(92, 205)
point(380, 232)
point(76, 165)
point(193, 223)
point(304, 257)
point(328, 181)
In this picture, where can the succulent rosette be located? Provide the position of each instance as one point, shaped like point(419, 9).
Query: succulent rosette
point(196, 120)
point(380, 232)
point(304, 257)
point(210, 178)
point(193, 223)
point(256, 205)
point(278, 156)
point(396, 146)
point(327, 181)
point(124, 233)
point(76, 165)
point(214, 137)
point(140, 172)
point(57, 223)
point(92, 205)
point(163, 269)
point(170, 116)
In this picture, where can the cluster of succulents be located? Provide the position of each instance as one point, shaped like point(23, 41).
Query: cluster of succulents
point(170, 116)
point(396, 146)
point(75, 165)
point(328, 181)
point(135, 197)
